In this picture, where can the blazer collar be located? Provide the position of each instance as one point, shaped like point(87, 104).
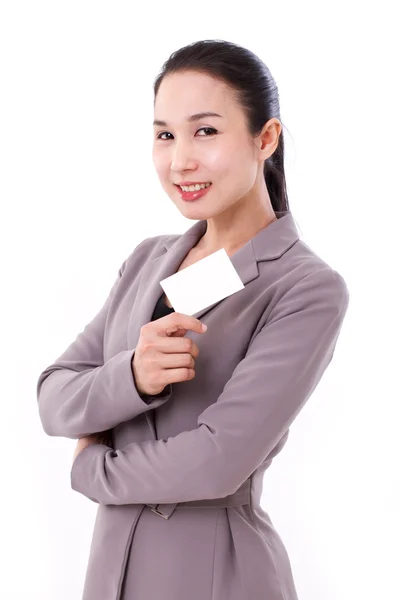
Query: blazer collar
point(268, 244)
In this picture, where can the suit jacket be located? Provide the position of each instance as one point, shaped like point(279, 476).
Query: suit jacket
point(265, 350)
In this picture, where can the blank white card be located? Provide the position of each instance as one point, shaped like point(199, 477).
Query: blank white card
point(207, 281)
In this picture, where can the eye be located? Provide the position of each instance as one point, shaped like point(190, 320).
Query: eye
point(158, 137)
point(211, 129)
point(208, 129)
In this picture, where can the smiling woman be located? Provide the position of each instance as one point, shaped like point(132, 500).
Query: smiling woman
point(179, 513)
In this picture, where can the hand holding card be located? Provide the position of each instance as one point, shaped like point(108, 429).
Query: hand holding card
point(163, 355)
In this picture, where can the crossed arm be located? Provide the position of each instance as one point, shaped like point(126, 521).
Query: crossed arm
point(265, 393)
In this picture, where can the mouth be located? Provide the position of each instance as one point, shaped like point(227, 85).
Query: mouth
point(193, 192)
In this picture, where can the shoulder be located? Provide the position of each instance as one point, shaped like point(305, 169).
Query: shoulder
point(315, 287)
point(303, 279)
point(301, 261)
point(325, 283)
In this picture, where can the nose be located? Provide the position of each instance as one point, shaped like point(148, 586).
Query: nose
point(181, 159)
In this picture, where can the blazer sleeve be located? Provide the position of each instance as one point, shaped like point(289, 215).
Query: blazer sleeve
point(265, 393)
point(80, 394)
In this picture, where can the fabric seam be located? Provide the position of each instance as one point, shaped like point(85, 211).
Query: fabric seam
point(213, 561)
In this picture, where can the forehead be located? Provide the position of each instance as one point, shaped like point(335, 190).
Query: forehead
point(185, 93)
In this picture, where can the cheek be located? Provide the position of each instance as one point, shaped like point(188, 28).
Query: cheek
point(217, 161)
point(226, 159)
point(160, 165)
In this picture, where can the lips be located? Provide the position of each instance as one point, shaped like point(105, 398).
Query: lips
point(195, 195)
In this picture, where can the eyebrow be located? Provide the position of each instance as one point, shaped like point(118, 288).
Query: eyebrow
point(191, 118)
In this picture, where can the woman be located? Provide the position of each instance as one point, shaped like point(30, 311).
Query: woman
point(177, 426)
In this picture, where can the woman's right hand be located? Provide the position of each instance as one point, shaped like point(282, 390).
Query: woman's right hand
point(163, 355)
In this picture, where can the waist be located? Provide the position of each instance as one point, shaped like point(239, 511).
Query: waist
point(238, 498)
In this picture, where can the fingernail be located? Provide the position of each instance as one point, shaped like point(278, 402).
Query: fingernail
point(204, 327)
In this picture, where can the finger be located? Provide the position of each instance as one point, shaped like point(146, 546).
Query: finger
point(178, 375)
point(175, 361)
point(175, 323)
point(175, 345)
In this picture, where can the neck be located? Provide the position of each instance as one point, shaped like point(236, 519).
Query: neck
point(234, 228)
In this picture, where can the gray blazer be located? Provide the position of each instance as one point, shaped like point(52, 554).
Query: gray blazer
point(178, 495)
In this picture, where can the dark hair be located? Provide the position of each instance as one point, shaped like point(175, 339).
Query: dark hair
point(254, 88)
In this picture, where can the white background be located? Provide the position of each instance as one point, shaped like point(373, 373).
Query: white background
point(78, 192)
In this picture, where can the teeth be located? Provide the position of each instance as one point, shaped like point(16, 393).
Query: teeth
point(194, 188)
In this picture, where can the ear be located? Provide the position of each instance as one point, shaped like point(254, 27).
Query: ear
point(269, 138)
